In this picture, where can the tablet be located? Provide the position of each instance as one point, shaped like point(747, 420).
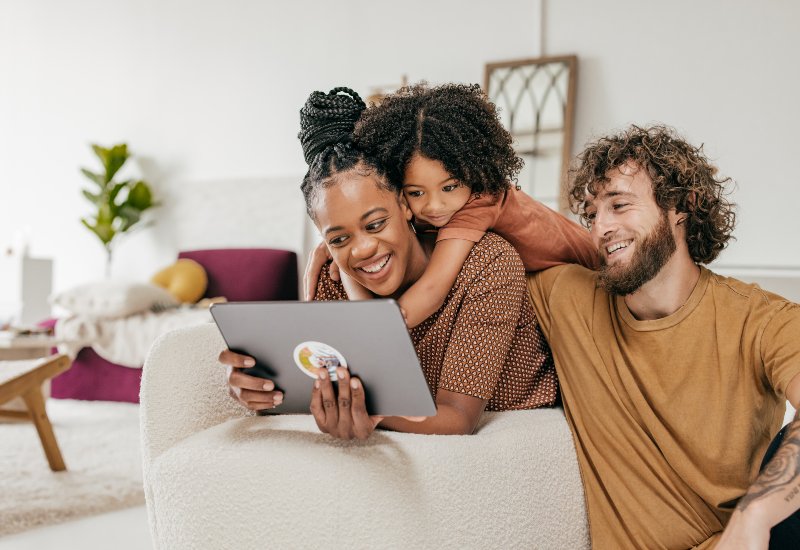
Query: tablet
point(369, 337)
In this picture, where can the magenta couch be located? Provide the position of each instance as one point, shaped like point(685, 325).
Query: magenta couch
point(239, 274)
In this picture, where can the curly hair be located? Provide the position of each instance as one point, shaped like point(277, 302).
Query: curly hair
point(454, 123)
point(683, 178)
point(326, 135)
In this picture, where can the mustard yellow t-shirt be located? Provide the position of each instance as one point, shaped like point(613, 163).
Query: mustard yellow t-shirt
point(670, 417)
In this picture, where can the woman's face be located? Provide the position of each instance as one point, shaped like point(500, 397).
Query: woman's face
point(367, 232)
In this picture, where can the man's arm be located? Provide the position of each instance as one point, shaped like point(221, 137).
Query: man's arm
point(775, 494)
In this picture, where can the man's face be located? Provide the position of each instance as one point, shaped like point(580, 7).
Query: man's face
point(632, 233)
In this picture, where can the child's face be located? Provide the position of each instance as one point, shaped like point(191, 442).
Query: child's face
point(432, 193)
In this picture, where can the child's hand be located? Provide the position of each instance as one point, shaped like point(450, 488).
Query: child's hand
point(318, 257)
point(353, 289)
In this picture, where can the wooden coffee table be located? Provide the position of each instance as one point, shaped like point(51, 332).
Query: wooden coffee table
point(26, 347)
point(24, 379)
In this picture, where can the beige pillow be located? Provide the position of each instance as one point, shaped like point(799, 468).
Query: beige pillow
point(112, 299)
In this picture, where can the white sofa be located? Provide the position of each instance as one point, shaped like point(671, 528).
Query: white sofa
point(217, 477)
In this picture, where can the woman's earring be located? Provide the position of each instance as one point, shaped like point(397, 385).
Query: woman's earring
point(413, 229)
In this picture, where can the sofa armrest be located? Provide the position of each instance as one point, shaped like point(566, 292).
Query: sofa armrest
point(184, 389)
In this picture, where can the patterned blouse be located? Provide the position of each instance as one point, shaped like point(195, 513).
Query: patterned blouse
point(485, 340)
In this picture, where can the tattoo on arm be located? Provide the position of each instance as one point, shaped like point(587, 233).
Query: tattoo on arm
point(781, 473)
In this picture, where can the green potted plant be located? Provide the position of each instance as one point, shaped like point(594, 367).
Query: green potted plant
point(118, 204)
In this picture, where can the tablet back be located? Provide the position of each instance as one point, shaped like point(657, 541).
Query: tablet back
point(370, 337)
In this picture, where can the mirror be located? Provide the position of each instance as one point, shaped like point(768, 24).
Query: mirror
point(536, 102)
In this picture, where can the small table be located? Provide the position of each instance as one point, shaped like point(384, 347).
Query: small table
point(29, 346)
point(24, 379)
point(14, 348)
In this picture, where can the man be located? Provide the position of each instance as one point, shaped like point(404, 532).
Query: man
point(674, 378)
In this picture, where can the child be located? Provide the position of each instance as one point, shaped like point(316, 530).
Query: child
point(447, 150)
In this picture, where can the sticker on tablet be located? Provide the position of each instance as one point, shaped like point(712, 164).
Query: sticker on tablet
point(309, 356)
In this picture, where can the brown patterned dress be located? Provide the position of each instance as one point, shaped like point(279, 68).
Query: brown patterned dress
point(484, 341)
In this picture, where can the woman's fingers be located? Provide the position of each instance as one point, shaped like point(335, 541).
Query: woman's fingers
point(236, 360)
point(345, 424)
point(259, 400)
point(317, 410)
point(329, 403)
point(238, 379)
point(251, 391)
point(363, 425)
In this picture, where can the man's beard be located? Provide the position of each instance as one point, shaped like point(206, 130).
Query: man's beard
point(651, 254)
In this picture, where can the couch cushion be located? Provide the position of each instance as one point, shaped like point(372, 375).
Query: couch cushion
point(277, 482)
point(248, 274)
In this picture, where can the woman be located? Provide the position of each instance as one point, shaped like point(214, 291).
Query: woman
point(481, 351)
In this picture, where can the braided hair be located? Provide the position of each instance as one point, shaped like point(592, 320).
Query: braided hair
point(326, 135)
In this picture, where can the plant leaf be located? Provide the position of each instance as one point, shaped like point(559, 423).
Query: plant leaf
point(104, 214)
point(130, 216)
point(117, 156)
point(112, 158)
point(104, 232)
point(94, 199)
point(112, 196)
point(97, 178)
point(140, 196)
point(101, 152)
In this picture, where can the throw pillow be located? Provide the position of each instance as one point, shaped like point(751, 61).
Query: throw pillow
point(186, 280)
point(112, 299)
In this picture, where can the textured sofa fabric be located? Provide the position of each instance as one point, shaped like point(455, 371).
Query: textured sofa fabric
point(216, 476)
point(239, 274)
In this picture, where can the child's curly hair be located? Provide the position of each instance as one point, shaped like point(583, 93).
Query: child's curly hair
point(683, 178)
point(454, 123)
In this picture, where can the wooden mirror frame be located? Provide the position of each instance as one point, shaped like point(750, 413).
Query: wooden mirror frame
point(566, 62)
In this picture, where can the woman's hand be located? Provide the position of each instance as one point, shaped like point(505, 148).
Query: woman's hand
point(255, 393)
point(345, 417)
point(318, 257)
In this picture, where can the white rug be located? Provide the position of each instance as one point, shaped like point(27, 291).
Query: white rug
point(100, 445)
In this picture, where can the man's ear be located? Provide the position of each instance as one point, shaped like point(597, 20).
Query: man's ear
point(691, 201)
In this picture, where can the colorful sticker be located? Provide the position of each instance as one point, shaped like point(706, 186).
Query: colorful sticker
point(309, 356)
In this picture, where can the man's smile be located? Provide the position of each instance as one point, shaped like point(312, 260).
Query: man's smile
point(613, 248)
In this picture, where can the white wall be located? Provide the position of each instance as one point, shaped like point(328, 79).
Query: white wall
point(207, 95)
point(724, 73)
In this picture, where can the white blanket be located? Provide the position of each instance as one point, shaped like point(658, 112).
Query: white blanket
point(125, 341)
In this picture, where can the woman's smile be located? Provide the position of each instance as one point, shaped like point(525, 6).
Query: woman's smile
point(375, 268)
